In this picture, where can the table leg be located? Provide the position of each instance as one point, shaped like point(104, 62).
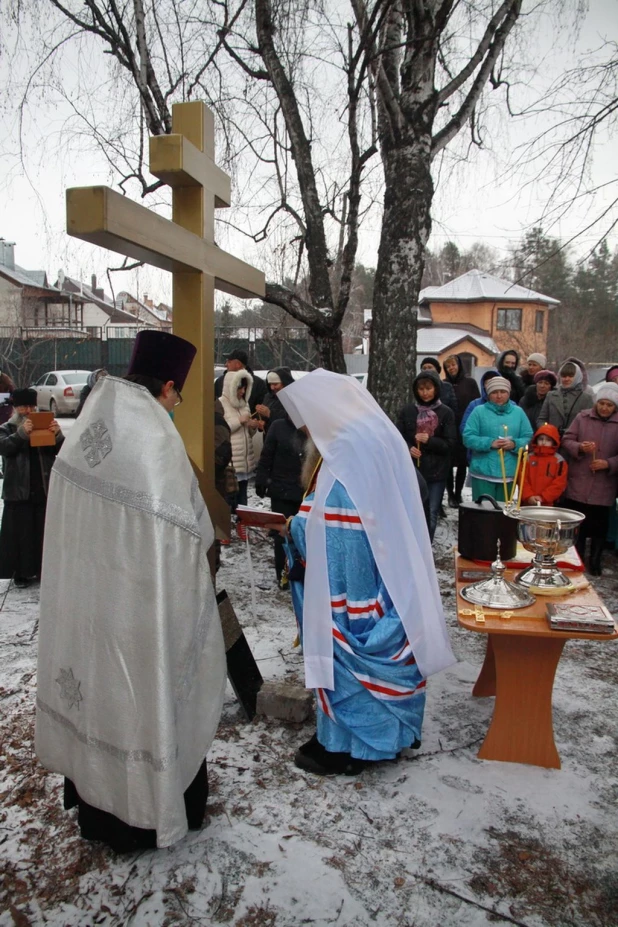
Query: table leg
point(486, 683)
point(521, 729)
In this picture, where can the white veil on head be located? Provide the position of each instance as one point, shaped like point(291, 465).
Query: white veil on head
point(364, 451)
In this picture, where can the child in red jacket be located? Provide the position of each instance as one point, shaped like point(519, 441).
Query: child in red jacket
point(546, 473)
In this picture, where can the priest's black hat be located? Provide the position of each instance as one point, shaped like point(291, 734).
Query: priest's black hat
point(24, 397)
point(163, 356)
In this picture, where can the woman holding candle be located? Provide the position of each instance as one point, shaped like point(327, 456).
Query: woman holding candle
point(494, 433)
point(428, 428)
point(592, 445)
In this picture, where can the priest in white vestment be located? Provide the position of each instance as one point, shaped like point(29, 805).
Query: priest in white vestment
point(131, 669)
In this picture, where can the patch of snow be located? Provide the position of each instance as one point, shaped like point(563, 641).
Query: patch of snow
point(437, 838)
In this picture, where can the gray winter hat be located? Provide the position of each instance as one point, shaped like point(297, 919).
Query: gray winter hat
point(497, 383)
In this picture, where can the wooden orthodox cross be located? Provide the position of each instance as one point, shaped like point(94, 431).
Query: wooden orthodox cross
point(186, 247)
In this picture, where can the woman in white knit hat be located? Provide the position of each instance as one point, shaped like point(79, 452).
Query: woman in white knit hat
point(498, 424)
point(534, 363)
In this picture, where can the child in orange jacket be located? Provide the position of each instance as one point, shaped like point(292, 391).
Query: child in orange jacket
point(546, 473)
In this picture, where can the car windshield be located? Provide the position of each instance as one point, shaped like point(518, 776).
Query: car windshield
point(73, 378)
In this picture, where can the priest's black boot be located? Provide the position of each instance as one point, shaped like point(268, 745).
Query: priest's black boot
point(314, 758)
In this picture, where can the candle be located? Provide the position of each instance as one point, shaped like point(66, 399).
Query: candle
point(523, 476)
point(418, 459)
point(501, 453)
point(514, 484)
point(506, 430)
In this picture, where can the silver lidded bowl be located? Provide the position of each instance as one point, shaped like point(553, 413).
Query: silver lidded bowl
point(546, 531)
point(496, 591)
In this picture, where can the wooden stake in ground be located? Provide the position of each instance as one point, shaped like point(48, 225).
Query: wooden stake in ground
point(186, 247)
point(242, 670)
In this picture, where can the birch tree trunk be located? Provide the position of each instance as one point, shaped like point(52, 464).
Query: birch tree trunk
point(405, 231)
point(405, 57)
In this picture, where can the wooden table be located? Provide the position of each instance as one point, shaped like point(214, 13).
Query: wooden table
point(519, 668)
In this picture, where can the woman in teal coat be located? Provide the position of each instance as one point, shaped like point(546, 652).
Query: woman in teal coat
point(497, 424)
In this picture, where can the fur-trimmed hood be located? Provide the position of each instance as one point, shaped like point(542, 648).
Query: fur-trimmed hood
point(231, 381)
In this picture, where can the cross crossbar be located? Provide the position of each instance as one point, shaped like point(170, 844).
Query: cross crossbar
point(106, 218)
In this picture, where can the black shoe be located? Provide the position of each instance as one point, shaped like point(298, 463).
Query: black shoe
point(441, 513)
point(22, 582)
point(451, 502)
point(314, 758)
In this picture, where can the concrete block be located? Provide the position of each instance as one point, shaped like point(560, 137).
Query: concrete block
point(285, 702)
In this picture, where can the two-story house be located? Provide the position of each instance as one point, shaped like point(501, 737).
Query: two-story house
point(488, 308)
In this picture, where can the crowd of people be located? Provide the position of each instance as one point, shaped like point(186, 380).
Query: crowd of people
point(132, 666)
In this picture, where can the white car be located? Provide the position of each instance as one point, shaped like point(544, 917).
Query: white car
point(59, 390)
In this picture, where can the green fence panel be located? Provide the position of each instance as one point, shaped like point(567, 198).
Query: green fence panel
point(119, 352)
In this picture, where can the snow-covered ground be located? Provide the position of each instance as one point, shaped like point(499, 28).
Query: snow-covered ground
point(438, 838)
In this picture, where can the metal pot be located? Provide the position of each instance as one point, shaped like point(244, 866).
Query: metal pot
point(547, 532)
point(546, 529)
point(480, 528)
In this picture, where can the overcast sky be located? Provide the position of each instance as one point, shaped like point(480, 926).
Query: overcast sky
point(478, 201)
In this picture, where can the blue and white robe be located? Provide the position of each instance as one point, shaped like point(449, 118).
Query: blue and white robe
point(376, 708)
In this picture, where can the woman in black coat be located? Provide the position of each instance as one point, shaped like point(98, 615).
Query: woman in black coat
point(448, 396)
point(26, 479)
point(507, 364)
point(466, 390)
point(270, 409)
point(534, 397)
point(428, 428)
point(278, 476)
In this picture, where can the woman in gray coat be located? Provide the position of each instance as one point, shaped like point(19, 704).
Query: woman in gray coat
point(592, 445)
point(570, 398)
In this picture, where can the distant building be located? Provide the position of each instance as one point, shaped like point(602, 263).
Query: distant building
point(144, 312)
point(476, 316)
point(513, 316)
point(28, 302)
point(99, 317)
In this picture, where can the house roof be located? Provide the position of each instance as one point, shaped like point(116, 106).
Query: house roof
point(424, 315)
point(159, 314)
point(118, 316)
point(440, 338)
point(477, 285)
point(23, 277)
